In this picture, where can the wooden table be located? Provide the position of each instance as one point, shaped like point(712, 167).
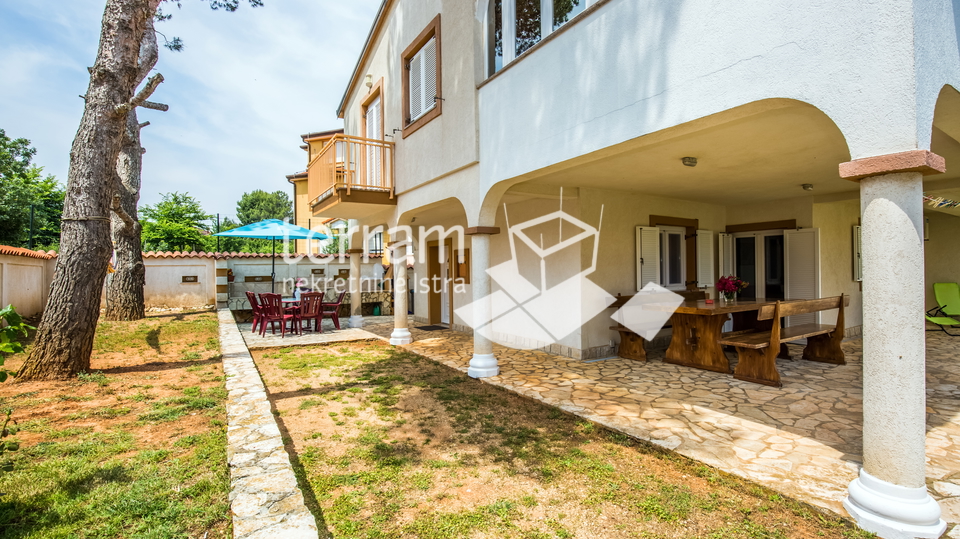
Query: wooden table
point(697, 326)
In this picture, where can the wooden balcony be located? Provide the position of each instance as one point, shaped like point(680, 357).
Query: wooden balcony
point(350, 177)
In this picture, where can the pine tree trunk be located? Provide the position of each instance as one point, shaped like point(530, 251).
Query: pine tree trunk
point(64, 338)
point(125, 286)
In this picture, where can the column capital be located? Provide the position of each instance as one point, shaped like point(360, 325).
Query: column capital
point(922, 161)
point(354, 251)
point(474, 230)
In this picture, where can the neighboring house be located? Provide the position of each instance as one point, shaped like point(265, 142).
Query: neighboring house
point(303, 210)
point(768, 140)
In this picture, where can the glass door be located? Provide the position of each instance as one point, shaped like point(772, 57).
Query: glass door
point(758, 259)
point(774, 282)
point(745, 264)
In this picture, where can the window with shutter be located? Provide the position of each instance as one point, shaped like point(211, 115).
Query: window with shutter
point(421, 79)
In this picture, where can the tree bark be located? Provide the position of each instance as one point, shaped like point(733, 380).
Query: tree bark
point(64, 337)
point(125, 301)
point(125, 286)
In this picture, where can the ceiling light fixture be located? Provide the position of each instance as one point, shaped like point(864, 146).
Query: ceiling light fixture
point(807, 187)
point(689, 161)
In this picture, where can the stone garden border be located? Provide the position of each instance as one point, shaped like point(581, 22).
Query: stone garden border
point(265, 501)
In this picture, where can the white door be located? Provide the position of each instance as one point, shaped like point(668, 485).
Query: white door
point(374, 131)
point(445, 286)
point(648, 256)
point(802, 262)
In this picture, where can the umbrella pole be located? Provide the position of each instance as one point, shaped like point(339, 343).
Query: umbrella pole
point(273, 266)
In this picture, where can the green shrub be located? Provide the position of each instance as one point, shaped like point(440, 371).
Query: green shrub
point(10, 334)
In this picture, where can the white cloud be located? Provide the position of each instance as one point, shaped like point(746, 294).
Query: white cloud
point(246, 85)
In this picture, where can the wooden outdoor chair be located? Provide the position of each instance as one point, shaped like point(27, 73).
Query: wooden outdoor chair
point(311, 308)
point(332, 310)
point(273, 312)
point(256, 308)
point(757, 350)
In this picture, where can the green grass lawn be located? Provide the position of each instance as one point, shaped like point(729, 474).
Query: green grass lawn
point(135, 448)
point(390, 444)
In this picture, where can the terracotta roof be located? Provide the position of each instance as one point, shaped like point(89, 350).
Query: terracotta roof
point(20, 251)
point(302, 175)
point(223, 255)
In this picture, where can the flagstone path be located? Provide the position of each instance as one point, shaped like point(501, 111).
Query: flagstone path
point(330, 334)
point(803, 439)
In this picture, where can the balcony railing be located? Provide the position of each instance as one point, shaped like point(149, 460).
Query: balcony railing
point(348, 163)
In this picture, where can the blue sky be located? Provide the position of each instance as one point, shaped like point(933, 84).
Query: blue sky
point(245, 87)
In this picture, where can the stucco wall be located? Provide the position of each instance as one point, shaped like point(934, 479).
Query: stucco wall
point(800, 208)
point(836, 221)
point(941, 253)
point(617, 269)
point(165, 286)
point(634, 68)
point(448, 142)
point(25, 283)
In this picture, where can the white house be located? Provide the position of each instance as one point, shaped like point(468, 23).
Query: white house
point(788, 143)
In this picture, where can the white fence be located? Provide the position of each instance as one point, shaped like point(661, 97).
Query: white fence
point(25, 278)
point(177, 279)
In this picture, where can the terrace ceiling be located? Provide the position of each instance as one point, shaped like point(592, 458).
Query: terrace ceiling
point(742, 158)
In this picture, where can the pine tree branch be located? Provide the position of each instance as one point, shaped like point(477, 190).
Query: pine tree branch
point(117, 208)
point(142, 95)
point(155, 106)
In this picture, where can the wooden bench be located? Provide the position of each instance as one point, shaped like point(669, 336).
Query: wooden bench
point(757, 350)
point(631, 344)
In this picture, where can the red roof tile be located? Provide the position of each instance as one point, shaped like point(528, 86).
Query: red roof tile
point(20, 251)
point(194, 254)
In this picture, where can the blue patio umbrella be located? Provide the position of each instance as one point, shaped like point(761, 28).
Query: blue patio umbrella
point(273, 229)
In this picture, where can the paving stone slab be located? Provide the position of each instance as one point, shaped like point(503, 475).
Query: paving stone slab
point(265, 501)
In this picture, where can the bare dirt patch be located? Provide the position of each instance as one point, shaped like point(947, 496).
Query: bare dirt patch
point(150, 410)
point(395, 445)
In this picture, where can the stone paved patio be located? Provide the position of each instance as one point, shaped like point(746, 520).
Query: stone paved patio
point(330, 334)
point(803, 439)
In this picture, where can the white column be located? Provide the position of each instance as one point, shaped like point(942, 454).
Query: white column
point(890, 497)
point(356, 296)
point(483, 363)
point(401, 331)
point(508, 21)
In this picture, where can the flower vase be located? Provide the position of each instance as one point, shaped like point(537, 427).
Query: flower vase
point(728, 297)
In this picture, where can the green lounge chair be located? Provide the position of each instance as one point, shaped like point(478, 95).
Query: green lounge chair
point(943, 322)
point(948, 299)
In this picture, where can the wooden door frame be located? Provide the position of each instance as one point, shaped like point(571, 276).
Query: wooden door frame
point(375, 91)
point(434, 298)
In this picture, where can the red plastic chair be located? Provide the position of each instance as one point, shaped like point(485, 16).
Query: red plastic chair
point(273, 312)
point(256, 308)
point(332, 310)
point(311, 308)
